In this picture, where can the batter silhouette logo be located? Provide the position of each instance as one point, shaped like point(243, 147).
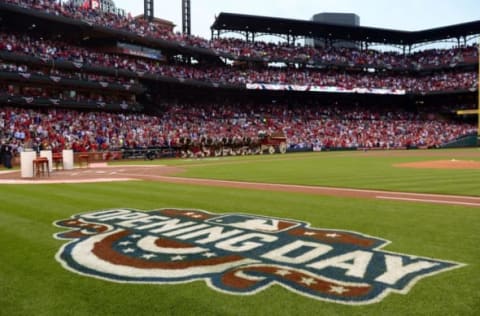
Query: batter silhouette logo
point(238, 254)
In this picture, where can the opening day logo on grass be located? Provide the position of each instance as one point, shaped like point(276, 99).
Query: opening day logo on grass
point(238, 254)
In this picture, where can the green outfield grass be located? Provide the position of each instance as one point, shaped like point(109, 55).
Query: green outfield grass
point(32, 282)
point(366, 170)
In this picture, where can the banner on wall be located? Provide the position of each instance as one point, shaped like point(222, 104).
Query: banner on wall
point(330, 89)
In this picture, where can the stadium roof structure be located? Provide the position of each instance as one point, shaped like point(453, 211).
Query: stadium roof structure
point(310, 29)
point(27, 19)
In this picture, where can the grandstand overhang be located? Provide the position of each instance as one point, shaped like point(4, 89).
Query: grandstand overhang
point(309, 29)
point(22, 18)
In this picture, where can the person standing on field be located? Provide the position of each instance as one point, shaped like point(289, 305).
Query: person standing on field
point(2, 149)
point(7, 154)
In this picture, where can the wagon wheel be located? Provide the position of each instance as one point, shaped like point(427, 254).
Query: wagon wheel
point(271, 150)
point(282, 148)
point(261, 149)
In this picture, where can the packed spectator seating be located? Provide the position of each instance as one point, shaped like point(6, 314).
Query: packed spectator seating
point(56, 50)
point(344, 56)
point(446, 80)
point(307, 127)
point(30, 92)
point(313, 126)
point(49, 71)
point(109, 20)
point(267, 51)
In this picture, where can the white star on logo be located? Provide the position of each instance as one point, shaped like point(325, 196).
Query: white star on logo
point(283, 272)
point(309, 234)
point(177, 258)
point(308, 281)
point(128, 250)
point(338, 289)
point(209, 254)
point(148, 256)
point(125, 243)
point(332, 235)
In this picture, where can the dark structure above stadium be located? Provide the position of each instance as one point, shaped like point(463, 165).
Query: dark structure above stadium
point(302, 28)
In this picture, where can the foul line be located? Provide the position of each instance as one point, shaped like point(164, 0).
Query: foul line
point(412, 197)
point(65, 181)
point(321, 188)
point(427, 201)
point(361, 193)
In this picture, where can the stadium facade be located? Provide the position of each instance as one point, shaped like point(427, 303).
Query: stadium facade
point(224, 91)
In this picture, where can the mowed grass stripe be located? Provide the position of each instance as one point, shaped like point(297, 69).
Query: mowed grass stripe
point(354, 171)
point(34, 284)
point(48, 203)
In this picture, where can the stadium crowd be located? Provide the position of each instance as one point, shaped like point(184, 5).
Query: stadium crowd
point(56, 74)
point(309, 127)
point(62, 51)
point(267, 51)
point(344, 56)
point(110, 20)
point(30, 92)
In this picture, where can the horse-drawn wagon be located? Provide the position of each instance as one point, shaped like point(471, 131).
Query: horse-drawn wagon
point(272, 143)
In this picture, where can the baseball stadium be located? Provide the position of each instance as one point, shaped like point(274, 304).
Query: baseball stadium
point(146, 171)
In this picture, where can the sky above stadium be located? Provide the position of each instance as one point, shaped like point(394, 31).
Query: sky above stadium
point(408, 15)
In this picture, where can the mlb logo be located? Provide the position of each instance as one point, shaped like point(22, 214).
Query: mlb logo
point(254, 223)
point(239, 254)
